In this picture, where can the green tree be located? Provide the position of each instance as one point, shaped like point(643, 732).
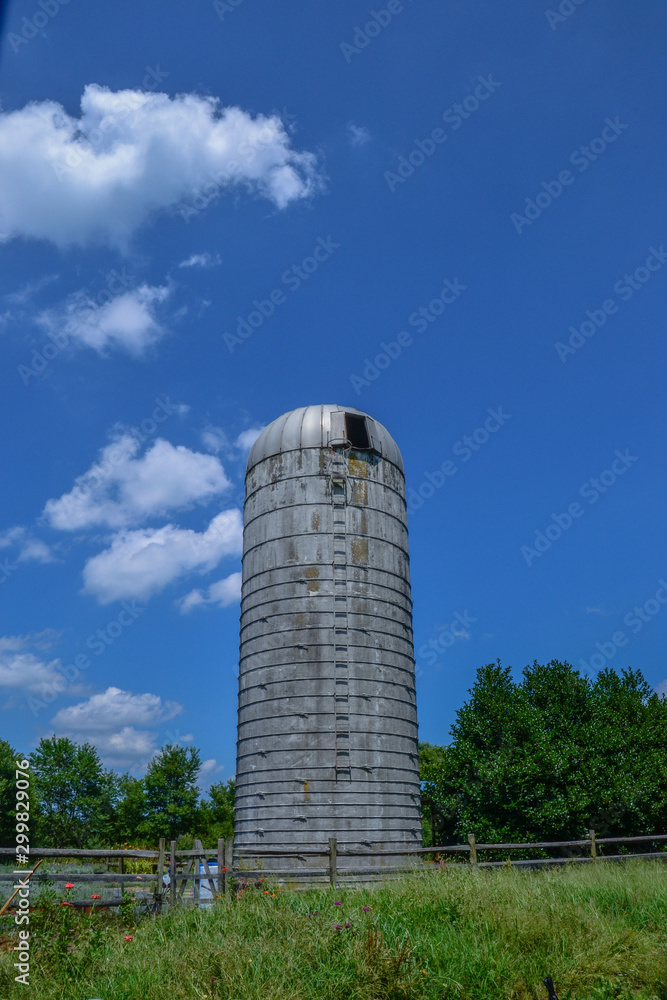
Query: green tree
point(432, 764)
point(130, 810)
point(554, 754)
point(74, 794)
point(171, 794)
point(8, 758)
point(216, 815)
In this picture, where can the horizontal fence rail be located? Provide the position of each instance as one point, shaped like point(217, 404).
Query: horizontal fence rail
point(194, 876)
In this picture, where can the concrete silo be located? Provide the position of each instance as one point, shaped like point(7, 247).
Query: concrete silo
point(327, 720)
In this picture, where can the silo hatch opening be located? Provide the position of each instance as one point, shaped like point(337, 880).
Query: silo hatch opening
point(356, 432)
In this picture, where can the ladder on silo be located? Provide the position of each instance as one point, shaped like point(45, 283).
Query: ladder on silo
point(340, 624)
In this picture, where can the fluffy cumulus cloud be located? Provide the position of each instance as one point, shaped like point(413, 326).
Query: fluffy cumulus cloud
point(143, 562)
point(221, 594)
point(662, 688)
point(23, 673)
point(99, 176)
point(113, 710)
point(128, 321)
point(123, 488)
point(116, 722)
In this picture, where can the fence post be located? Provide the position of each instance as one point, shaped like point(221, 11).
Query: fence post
point(195, 871)
point(473, 849)
point(594, 848)
point(159, 889)
point(333, 860)
point(221, 865)
point(229, 860)
point(172, 874)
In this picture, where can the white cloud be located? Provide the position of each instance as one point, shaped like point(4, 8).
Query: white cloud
point(202, 260)
point(214, 439)
point(662, 688)
point(25, 672)
point(209, 770)
point(128, 321)
point(222, 593)
point(30, 549)
point(129, 749)
point(113, 710)
point(246, 439)
point(114, 721)
point(141, 563)
point(358, 134)
point(21, 672)
point(130, 154)
point(121, 489)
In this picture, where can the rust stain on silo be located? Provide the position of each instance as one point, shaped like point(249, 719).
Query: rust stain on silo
point(360, 493)
point(358, 468)
point(359, 548)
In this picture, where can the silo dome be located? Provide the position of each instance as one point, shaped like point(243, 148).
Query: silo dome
point(327, 721)
point(321, 427)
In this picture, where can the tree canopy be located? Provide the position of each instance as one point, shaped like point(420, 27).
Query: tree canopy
point(73, 794)
point(550, 756)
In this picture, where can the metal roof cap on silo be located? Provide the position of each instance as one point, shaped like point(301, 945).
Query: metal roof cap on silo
point(310, 427)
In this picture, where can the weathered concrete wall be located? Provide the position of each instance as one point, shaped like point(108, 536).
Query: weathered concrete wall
point(327, 723)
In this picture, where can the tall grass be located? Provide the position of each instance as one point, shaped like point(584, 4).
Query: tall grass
point(600, 930)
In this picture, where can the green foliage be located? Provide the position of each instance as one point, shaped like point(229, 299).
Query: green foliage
point(74, 795)
point(170, 793)
point(599, 930)
point(67, 940)
point(130, 810)
point(8, 758)
point(432, 761)
point(216, 815)
point(551, 756)
point(77, 803)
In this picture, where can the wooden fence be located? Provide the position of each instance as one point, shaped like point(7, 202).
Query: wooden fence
point(185, 866)
point(329, 864)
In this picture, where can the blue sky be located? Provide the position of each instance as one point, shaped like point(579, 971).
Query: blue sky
point(450, 216)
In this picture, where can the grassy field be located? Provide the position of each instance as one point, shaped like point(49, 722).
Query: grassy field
point(599, 930)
